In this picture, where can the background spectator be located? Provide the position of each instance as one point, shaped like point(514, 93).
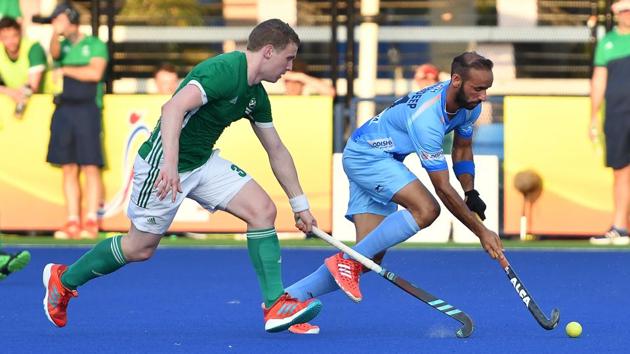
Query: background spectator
point(297, 82)
point(166, 79)
point(75, 134)
point(22, 64)
point(426, 75)
point(610, 81)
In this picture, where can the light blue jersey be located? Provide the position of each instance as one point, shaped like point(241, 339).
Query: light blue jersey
point(417, 122)
point(373, 156)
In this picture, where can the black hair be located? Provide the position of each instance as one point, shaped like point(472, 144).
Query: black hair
point(462, 64)
point(9, 22)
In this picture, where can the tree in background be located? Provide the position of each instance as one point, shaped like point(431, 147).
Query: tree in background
point(163, 12)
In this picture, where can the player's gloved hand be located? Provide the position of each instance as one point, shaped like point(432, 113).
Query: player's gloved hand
point(475, 204)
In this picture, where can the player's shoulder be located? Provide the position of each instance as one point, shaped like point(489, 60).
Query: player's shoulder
point(611, 37)
point(227, 63)
point(93, 40)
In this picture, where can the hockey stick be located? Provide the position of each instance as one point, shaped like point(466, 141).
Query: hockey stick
point(411, 289)
point(528, 299)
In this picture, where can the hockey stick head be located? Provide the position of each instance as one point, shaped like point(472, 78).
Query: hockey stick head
point(467, 329)
point(551, 323)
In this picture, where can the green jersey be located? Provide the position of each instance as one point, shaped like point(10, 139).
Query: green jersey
point(613, 52)
point(80, 54)
point(226, 97)
point(31, 57)
point(10, 8)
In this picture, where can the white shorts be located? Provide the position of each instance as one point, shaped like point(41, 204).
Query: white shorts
point(212, 185)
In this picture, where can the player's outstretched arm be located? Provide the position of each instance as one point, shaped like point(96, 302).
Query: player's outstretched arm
point(455, 204)
point(463, 165)
point(464, 168)
point(284, 169)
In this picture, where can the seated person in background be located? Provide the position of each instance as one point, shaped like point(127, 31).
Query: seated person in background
point(22, 64)
point(426, 75)
point(166, 79)
point(298, 83)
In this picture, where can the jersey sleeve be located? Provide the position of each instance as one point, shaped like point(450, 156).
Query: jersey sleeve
point(600, 58)
point(99, 50)
point(215, 81)
point(36, 58)
point(262, 113)
point(427, 135)
point(465, 130)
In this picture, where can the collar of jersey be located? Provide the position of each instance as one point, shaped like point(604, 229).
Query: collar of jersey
point(446, 120)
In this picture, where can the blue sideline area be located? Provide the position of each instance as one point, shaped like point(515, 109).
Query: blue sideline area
point(207, 300)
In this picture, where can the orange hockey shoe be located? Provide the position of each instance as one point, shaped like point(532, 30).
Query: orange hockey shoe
point(57, 296)
point(304, 328)
point(346, 273)
point(288, 311)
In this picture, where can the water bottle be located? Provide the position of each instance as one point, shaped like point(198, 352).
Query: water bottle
point(20, 107)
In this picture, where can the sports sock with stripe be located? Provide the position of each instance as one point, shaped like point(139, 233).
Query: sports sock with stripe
point(106, 257)
point(264, 251)
point(394, 229)
point(316, 284)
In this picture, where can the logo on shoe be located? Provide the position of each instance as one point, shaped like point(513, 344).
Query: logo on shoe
point(286, 309)
point(53, 297)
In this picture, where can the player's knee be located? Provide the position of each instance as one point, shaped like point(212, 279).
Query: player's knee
point(139, 254)
point(427, 214)
point(265, 213)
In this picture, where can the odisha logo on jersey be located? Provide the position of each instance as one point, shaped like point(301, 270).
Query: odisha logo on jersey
point(250, 107)
point(431, 156)
point(385, 143)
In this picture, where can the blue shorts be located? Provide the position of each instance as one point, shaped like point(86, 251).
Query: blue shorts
point(75, 135)
point(374, 176)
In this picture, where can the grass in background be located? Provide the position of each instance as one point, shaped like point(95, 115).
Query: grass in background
point(238, 240)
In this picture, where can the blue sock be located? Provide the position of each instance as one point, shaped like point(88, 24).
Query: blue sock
point(318, 283)
point(394, 229)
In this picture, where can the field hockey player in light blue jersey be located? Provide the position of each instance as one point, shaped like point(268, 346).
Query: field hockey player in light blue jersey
point(379, 181)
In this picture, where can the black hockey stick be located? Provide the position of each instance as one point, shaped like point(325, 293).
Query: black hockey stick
point(528, 300)
point(411, 289)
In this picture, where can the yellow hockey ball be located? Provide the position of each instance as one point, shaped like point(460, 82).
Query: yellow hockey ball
point(574, 329)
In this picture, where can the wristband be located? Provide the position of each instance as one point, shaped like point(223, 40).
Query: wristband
point(465, 166)
point(299, 203)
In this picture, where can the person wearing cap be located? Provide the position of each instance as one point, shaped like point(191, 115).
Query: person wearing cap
point(22, 64)
point(75, 131)
point(610, 83)
point(426, 75)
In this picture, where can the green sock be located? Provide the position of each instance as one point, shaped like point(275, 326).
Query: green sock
point(106, 257)
point(264, 251)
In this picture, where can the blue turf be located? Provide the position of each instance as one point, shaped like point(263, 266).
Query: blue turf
point(207, 300)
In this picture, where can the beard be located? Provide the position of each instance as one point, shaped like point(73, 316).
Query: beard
point(462, 100)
